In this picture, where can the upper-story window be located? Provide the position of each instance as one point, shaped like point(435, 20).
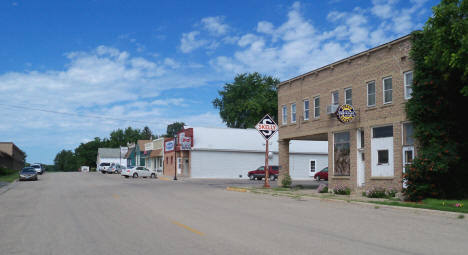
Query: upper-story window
point(335, 98)
point(284, 112)
point(306, 109)
point(348, 94)
point(371, 93)
point(408, 77)
point(293, 113)
point(387, 90)
point(316, 107)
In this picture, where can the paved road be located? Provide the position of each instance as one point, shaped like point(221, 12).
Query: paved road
point(78, 213)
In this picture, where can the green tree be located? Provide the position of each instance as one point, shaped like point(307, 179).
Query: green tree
point(66, 161)
point(440, 55)
point(245, 101)
point(173, 128)
point(146, 134)
point(86, 153)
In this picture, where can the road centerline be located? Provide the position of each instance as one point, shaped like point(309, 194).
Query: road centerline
point(187, 228)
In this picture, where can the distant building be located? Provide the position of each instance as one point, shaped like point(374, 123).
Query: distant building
point(230, 153)
point(11, 157)
point(110, 155)
point(154, 152)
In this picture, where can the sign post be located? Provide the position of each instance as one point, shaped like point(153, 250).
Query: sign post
point(267, 128)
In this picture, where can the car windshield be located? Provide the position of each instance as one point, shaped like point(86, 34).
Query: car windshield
point(260, 168)
point(28, 170)
point(105, 164)
point(36, 166)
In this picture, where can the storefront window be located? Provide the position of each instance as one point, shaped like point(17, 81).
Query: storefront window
point(341, 154)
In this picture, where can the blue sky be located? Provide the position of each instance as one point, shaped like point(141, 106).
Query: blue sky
point(140, 63)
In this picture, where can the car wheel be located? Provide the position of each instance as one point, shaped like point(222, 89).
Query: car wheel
point(153, 175)
point(126, 176)
point(103, 172)
point(317, 178)
point(135, 175)
point(259, 178)
point(116, 172)
point(251, 177)
point(272, 178)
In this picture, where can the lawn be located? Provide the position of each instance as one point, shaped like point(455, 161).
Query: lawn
point(7, 175)
point(431, 203)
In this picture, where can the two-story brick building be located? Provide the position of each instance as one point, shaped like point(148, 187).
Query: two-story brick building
point(372, 149)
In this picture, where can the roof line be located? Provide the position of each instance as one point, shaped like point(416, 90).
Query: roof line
point(388, 44)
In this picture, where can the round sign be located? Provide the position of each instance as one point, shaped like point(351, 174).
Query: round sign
point(345, 113)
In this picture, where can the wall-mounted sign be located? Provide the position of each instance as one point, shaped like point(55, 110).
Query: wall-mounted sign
point(186, 143)
point(169, 145)
point(345, 113)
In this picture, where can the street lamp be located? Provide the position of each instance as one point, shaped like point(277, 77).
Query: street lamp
point(175, 157)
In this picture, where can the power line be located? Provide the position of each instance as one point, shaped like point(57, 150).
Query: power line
point(77, 114)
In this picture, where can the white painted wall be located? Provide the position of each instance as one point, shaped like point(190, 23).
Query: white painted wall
point(382, 144)
point(222, 164)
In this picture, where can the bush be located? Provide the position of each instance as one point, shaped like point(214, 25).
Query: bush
point(342, 190)
point(324, 190)
point(376, 193)
point(391, 193)
point(286, 181)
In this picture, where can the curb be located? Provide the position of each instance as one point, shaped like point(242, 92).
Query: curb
point(7, 187)
point(236, 189)
point(409, 209)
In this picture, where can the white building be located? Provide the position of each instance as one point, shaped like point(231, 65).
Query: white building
point(232, 153)
point(110, 155)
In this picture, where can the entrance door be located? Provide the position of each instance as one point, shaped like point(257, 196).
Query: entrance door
point(408, 156)
point(361, 176)
point(186, 167)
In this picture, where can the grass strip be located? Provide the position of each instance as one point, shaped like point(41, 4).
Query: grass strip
point(7, 175)
point(430, 203)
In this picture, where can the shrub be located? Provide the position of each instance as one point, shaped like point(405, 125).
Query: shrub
point(286, 181)
point(324, 190)
point(342, 190)
point(391, 193)
point(376, 193)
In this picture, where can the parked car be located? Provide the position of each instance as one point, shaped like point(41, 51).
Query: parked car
point(103, 167)
point(115, 168)
point(259, 173)
point(28, 174)
point(138, 171)
point(38, 167)
point(322, 174)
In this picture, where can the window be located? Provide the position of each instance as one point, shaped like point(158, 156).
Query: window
point(293, 113)
point(409, 156)
point(285, 115)
point(387, 90)
point(171, 159)
point(382, 157)
point(341, 157)
point(335, 98)
point(408, 134)
point(348, 93)
point(317, 107)
point(312, 165)
point(306, 109)
point(408, 77)
point(371, 93)
point(381, 132)
point(167, 160)
point(362, 139)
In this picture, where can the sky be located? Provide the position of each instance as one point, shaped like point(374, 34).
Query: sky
point(74, 70)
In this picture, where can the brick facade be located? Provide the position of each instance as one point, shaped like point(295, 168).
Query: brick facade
point(355, 72)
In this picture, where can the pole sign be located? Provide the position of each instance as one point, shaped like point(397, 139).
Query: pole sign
point(267, 127)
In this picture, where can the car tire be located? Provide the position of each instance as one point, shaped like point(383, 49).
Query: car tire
point(126, 176)
point(259, 178)
point(153, 175)
point(135, 175)
point(103, 172)
point(272, 177)
point(317, 178)
point(116, 172)
point(251, 177)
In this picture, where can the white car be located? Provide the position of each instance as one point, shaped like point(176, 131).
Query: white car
point(103, 167)
point(38, 167)
point(137, 171)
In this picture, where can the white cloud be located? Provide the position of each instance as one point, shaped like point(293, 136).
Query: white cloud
point(215, 25)
point(189, 42)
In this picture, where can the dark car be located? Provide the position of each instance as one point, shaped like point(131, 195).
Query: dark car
point(322, 174)
point(259, 173)
point(28, 174)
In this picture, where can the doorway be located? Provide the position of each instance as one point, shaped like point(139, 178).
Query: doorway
point(361, 176)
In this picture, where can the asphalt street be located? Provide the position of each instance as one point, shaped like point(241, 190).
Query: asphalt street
point(89, 213)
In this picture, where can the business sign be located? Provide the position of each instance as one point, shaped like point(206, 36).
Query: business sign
point(267, 127)
point(123, 151)
point(186, 143)
point(345, 113)
point(169, 145)
point(149, 146)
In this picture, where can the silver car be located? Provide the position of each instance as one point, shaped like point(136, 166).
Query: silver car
point(28, 174)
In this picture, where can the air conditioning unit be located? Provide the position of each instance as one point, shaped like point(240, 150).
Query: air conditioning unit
point(331, 109)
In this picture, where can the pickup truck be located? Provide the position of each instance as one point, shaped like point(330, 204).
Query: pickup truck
point(259, 173)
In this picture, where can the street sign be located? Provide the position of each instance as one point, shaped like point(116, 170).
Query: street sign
point(267, 127)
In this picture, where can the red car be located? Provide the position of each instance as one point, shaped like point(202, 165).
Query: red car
point(322, 174)
point(259, 173)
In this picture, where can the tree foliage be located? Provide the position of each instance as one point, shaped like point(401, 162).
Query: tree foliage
point(173, 128)
point(86, 153)
point(245, 101)
point(440, 55)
